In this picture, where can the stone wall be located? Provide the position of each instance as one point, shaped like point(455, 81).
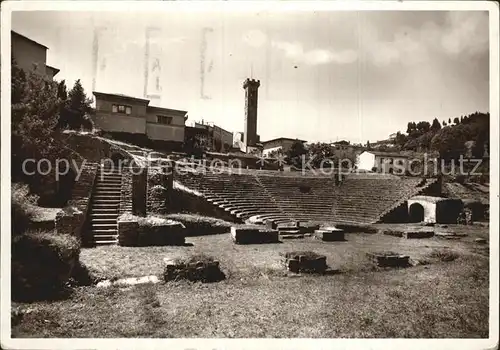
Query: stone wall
point(185, 202)
point(139, 190)
point(72, 218)
point(93, 148)
point(159, 186)
point(128, 232)
point(126, 194)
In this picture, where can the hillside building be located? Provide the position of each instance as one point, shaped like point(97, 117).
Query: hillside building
point(386, 162)
point(281, 144)
point(128, 116)
point(31, 56)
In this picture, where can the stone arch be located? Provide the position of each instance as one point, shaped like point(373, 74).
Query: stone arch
point(304, 188)
point(416, 212)
point(117, 158)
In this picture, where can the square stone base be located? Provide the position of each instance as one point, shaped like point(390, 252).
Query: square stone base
point(330, 235)
point(307, 262)
point(254, 235)
point(389, 259)
point(198, 271)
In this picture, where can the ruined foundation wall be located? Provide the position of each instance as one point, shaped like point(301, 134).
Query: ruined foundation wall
point(72, 218)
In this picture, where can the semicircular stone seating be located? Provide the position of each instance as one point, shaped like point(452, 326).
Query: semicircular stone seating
point(283, 198)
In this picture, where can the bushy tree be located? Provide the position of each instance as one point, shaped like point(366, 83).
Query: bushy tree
point(77, 109)
point(450, 142)
point(295, 153)
point(320, 152)
point(411, 129)
point(423, 127)
point(35, 112)
point(401, 139)
point(435, 125)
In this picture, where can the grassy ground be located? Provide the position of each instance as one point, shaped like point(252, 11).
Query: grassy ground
point(258, 299)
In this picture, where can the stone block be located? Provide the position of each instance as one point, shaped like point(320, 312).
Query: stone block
point(160, 235)
point(389, 259)
point(288, 226)
point(289, 232)
point(128, 233)
point(307, 227)
point(395, 233)
point(293, 265)
point(449, 234)
point(271, 225)
point(330, 235)
point(308, 262)
point(292, 236)
point(196, 271)
point(253, 235)
point(418, 234)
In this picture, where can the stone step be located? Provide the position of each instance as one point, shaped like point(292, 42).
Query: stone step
point(106, 196)
point(289, 232)
point(105, 232)
point(103, 214)
point(96, 221)
point(108, 184)
point(104, 207)
point(96, 227)
point(106, 201)
point(116, 190)
point(108, 188)
point(106, 242)
point(109, 176)
point(101, 179)
point(105, 237)
point(109, 171)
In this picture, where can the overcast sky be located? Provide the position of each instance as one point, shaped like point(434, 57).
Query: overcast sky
point(324, 75)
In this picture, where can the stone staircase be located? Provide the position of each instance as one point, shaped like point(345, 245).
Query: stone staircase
point(105, 206)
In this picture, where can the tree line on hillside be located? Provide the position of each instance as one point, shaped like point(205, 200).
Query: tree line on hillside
point(468, 136)
point(449, 139)
point(41, 109)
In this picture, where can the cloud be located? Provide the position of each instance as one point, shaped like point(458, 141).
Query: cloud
point(255, 38)
point(463, 33)
point(467, 32)
point(295, 51)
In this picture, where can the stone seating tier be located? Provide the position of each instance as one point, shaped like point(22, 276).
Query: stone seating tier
point(318, 199)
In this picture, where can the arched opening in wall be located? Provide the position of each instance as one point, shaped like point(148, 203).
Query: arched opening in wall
point(304, 189)
point(64, 188)
point(416, 212)
point(118, 161)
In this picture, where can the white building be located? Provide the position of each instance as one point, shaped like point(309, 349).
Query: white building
point(386, 162)
point(282, 144)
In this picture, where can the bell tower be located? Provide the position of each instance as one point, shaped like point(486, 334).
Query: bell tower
point(251, 87)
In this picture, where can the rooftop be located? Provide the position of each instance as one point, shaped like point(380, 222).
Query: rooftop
point(123, 96)
point(170, 111)
point(28, 39)
point(55, 70)
point(282, 139)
